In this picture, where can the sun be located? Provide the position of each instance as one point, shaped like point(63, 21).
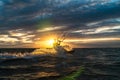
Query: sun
point(51, 42)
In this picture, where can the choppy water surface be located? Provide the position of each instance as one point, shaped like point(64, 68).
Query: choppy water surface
point(100, 64)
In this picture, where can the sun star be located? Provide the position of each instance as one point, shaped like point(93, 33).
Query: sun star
point(51, 42)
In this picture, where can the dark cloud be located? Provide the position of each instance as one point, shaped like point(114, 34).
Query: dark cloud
point(29, 12)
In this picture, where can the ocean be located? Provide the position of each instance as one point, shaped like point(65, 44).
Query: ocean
point(98, 63)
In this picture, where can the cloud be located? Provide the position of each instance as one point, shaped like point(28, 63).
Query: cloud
point(93, 40)
point(27, 13)
point(16, 37)
point(99, 30)
point(51, 29)
point(25, 20)
point(5, 39)
point(18, 33)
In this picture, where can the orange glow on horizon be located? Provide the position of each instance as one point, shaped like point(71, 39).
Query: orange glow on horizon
point(45, 42)
point(48, 41)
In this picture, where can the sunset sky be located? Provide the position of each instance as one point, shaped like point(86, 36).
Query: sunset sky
point(88, 23)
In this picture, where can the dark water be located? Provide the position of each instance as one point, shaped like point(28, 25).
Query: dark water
point(99, 64)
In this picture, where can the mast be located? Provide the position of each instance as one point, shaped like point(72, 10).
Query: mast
point(62, 37)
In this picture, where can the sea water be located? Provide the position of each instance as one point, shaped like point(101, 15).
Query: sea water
point(99, 64)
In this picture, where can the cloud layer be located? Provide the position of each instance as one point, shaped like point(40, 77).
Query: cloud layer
point(25, 21)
